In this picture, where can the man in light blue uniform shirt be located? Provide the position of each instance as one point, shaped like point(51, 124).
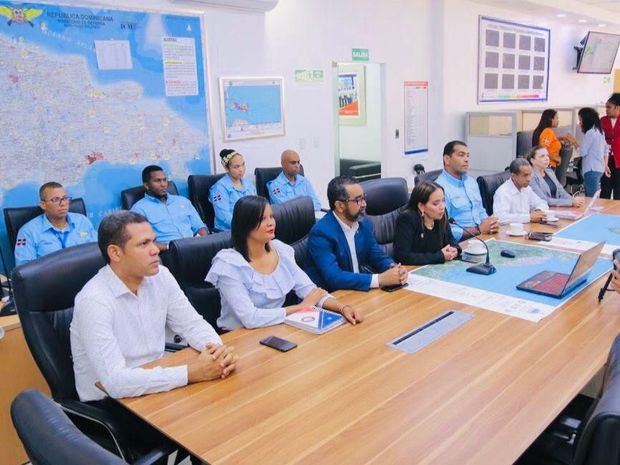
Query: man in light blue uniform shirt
point(289, 183)
point(171, 216)
point(55, 229)
point(463, 200)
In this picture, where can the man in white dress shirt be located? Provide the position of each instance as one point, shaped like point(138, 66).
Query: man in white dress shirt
point(119, 322)
point(515, 201)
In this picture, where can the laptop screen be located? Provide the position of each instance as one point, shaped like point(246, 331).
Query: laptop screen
point(585, 262)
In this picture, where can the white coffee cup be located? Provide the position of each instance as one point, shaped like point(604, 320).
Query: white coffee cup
point(550, 215)
point(515, 229)
point(475, 247)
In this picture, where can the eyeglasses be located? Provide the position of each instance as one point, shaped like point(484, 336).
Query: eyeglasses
point(59, 200)
point(357, 200)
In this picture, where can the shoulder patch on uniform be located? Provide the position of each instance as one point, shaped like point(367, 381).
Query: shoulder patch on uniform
point(21, 241)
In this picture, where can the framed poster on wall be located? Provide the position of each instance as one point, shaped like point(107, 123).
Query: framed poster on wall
point(251, 107)
point(513, 61)
point(352, 95)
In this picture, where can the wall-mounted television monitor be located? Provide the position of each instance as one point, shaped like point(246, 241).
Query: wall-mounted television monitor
point(599, 53)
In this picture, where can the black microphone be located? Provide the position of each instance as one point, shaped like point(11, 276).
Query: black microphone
point(481, 268)
point(615, 257)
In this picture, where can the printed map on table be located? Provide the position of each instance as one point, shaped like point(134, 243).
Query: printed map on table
point(498, 292)
point(251, 107)
point(589, 231)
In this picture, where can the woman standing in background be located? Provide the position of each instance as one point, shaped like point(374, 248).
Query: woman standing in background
point(610, 183)
point(545, 135)
point(593, 151)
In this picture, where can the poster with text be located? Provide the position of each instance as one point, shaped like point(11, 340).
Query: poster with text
point(513, 61)
point(352, 95)
point(416, 117)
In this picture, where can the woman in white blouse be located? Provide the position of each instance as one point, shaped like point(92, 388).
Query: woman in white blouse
point(255, 276)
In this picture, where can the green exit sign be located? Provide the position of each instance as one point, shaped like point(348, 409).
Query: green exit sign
point(360, 54)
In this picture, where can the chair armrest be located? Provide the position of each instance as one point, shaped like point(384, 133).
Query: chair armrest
point(152, 457)
point(101, 417)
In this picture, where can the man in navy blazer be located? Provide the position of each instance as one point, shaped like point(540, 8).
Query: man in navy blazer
point(331, 263)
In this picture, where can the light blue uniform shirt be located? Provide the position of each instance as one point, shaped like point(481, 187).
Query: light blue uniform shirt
point(39, 237)
point(175, 219)
point(280, 190)
point(463, 201)
point(593, 149)
point(223, 195)
point(251, 299)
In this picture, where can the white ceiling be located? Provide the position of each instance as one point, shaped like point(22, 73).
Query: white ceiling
point(593, 12)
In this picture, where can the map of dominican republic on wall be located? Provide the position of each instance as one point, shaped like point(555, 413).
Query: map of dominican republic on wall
point(513, 61)
point(90, 96)
point(251, 107)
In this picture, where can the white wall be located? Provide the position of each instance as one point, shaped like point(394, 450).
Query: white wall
point(364, 142)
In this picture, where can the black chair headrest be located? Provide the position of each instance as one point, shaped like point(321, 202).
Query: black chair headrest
point(130, 196)
point(264, 175)
point(385, 195)
point(190, 258)
point(15, 218)
point(488, 184)
point(51, 283)
point(199, 186)
point(294, 219)
point(430, 176)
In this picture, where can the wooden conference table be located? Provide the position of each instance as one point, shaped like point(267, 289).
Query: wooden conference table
point(479, 395)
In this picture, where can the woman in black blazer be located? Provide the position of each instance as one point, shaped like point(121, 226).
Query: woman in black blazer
point(423, 235)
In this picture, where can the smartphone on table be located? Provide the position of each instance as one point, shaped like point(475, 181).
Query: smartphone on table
point(278, 343)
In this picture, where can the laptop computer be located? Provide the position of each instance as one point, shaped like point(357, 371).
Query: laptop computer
point(572, 215)
point(556, 284)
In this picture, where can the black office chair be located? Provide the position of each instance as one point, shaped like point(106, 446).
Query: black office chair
point(385, 195)
point(592, 437)
point(385, 199)
point(44, 292)
point(15, 218)
point(294, 220)
point(190, 261)
point(50, 438)
point(130, 196)
point(384, 229)
point(362, 170)
point(430, 176)
point(488, 184)
point(199, 186)
point(264, 175)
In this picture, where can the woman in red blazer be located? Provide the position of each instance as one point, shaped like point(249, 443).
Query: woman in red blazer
point(610, 182)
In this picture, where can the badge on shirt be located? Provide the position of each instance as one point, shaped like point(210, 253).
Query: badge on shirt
point(276, 191)
point(21, 241)
point(217, 197)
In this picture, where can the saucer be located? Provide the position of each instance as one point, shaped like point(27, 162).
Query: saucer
point(469, 252)
point(522, 233)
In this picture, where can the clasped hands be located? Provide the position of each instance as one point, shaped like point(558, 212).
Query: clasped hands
point(215, 361)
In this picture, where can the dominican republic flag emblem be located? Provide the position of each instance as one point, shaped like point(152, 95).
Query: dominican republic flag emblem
point(276, 191)
point(20, 241)
point(217, 197)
